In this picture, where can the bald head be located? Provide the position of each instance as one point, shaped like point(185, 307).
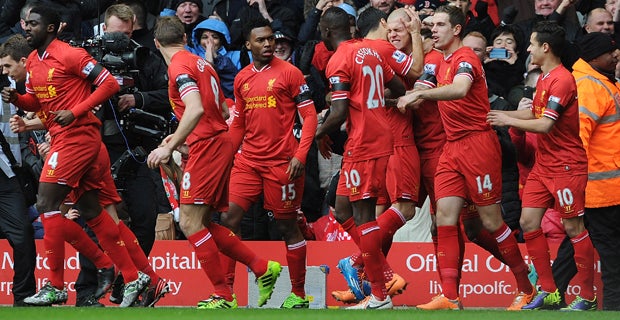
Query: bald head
point(398, 14)
point(599, 20)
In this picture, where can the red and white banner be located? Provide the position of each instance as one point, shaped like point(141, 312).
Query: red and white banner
point(486, 282)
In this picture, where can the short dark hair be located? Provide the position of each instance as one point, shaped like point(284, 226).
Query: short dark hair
point(253, 24)
point(15, 47)
point(48, 15)
point(456, 16)
point(551, 33)
point(508, 29)
point(169, 30)
point(336, 19)
point(369, 20)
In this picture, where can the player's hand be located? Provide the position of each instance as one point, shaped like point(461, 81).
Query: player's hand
point(525, 103)
point(321, 4)
point(158, 156)
point(414, 24)
point(411, 100)
point(295, 169)
point(498, 118)
point(72, 214)
point(325, 146)
point(63, 117)
point(17, 124)
point(44, 149)
point(9, 94)
point(126, 101)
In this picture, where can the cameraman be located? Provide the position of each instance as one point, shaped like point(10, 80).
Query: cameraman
point(140, 186)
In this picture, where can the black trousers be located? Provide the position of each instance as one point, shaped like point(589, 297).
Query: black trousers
point(603, 224)
point(16, 227)
point(604, 227)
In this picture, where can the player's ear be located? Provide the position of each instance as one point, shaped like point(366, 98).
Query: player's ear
point(247, 45)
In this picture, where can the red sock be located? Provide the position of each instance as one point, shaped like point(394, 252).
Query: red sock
point(207, 253)
point(357, 260)
point(350, 227)
point(388, 273)
point(486, 241)
point(370, 244)
point(434, 238)
point(538, 250)
point(229, 266)
point(135, 252)
point(584, 259)
point(389, 221)
point(229, 244)
point(461, 238)
point(77, 238)
point(508, 247)
point(110, 240)
point(296, 258)
point(53, 239)
point(448, 258)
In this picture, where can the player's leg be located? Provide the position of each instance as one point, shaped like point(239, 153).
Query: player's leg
point(107, 232)
point(283, 197)
point(245, 187)
point(50, 197)
point(191, 217)
point(570, 201)
point(364, 182)
point(536, 200)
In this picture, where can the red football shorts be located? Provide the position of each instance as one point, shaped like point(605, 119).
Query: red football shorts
point(428, 168)
point(565, 194)
point(207, 173)
point(108, 194)
point(362, 180)
point(402, 180)
point(73, 159)
point(282, 196)
point(471, 168)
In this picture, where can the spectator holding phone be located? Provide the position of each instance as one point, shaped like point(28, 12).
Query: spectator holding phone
point(503, 65)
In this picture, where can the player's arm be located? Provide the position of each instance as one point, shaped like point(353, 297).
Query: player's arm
point(338, 112)
point(19, 124)
point(190, 95)
point(394, 87)
point(417, 49)
point(237, 127)
point(309, 120)
point(106, 87)
point(307, 111)
point(524, 119)
point(27, 101)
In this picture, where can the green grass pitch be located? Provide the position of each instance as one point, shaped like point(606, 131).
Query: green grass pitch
point(71, 313)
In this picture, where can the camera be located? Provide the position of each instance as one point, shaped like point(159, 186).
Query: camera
point(145, 124)
point(120, 55)
point(124, 58)
point(499, 53)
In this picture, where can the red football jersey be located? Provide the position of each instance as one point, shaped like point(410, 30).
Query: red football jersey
point(462, 116)
point(400, 123)
point(428, 129)
point(357, 73)
point(267, 101)
point(187, 73)
point(60, 80)
point(561, 148)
